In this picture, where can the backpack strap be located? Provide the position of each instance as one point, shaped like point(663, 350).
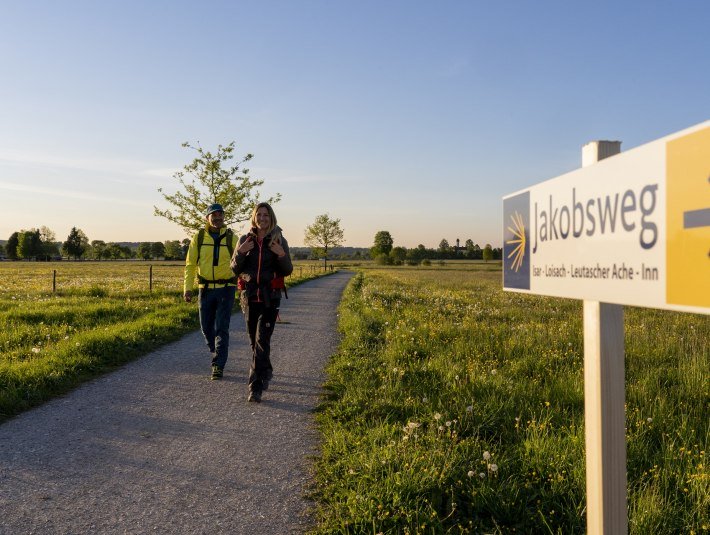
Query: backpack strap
point(201, 239)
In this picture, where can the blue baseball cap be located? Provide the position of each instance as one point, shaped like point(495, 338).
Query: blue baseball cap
point(214, 208)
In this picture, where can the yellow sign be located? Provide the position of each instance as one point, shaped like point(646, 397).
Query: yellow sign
point(688, 219)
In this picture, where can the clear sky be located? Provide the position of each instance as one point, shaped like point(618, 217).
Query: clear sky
point(408, 116)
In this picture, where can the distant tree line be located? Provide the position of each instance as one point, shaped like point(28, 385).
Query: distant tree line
point(41, 245)
point(383, 251)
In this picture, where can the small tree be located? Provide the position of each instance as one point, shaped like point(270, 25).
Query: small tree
point(383, 244)
point(487, 252)
point(398, 255)
point(97, 249)
point(11, 246)
point(214, 180)
point(145, 250)
point(173, 250)
point(444, 248)
point(76, 243)
point(29, 244)
point(324, 234)
point(157, 249)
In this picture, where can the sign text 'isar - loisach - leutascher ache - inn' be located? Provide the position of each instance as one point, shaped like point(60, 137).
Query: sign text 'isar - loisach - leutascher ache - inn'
point(632, 229)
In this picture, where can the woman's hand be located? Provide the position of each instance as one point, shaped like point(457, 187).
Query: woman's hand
point(277, 249)
point(246, 246)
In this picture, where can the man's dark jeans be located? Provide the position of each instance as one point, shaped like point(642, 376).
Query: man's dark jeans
point(260, 322)
point(215, 313)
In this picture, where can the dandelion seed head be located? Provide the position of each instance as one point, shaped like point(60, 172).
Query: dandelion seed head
point(437, 416)
point(471, 473)
point(469, 408)
point(486, 455)
point(493, 467)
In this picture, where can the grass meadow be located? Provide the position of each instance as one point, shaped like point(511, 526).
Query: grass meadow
point(101, 316)
point(455, 407)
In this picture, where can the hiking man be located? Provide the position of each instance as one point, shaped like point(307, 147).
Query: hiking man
point(209, 255)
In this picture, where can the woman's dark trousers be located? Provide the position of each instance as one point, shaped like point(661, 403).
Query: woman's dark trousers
point(215, 313)
point(260, 321)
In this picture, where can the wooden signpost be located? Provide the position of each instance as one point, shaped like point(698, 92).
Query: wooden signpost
point(628, 228)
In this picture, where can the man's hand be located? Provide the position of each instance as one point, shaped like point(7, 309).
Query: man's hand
point(187, 296)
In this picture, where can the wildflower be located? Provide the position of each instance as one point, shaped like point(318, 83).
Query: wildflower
point(35, 350)
point(482, 475)
point(411, 426)
point(437, 416)
point(470, 473)
point(448, 424)
point(486, 455)
point(493, 467)
point(441, 428)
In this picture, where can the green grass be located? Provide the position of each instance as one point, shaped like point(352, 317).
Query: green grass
point(101, 317)
point(454, 407)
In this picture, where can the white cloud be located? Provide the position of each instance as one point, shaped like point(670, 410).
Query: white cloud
point(68, 194)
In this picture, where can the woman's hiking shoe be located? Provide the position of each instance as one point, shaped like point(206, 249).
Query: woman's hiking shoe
point(217, 373)
point(254, 397)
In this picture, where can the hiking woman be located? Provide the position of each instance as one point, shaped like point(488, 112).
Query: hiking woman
point(261, 260)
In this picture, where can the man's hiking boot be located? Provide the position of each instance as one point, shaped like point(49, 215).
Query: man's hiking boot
point(254, 396)
point(217, 373)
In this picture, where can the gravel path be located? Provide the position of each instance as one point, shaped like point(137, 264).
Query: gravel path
point(156, 447)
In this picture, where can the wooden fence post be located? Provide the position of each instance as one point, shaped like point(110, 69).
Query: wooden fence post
point(150, 276)
point(54, 281)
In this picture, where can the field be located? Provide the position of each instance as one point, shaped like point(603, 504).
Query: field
point(454, 407)
point(101, 316)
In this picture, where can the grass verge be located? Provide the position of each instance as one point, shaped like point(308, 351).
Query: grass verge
point(454, 407)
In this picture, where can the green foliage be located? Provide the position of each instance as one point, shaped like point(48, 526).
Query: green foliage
point(398, 254)
point(214, 180)
point(11, 245)
point(76, 243)
point(173, 250)
point(324, 234)
point(454, 407)
point(157, 249)
point(29, 244)
point(383, 244)
point(145, 250)
point(487, 252)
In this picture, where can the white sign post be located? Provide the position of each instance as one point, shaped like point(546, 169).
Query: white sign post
point(632, 229)
point(604, 399)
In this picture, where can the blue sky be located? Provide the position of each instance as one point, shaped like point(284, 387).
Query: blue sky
point(408, 116)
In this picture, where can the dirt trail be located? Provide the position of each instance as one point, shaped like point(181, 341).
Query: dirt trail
point(156, 447)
